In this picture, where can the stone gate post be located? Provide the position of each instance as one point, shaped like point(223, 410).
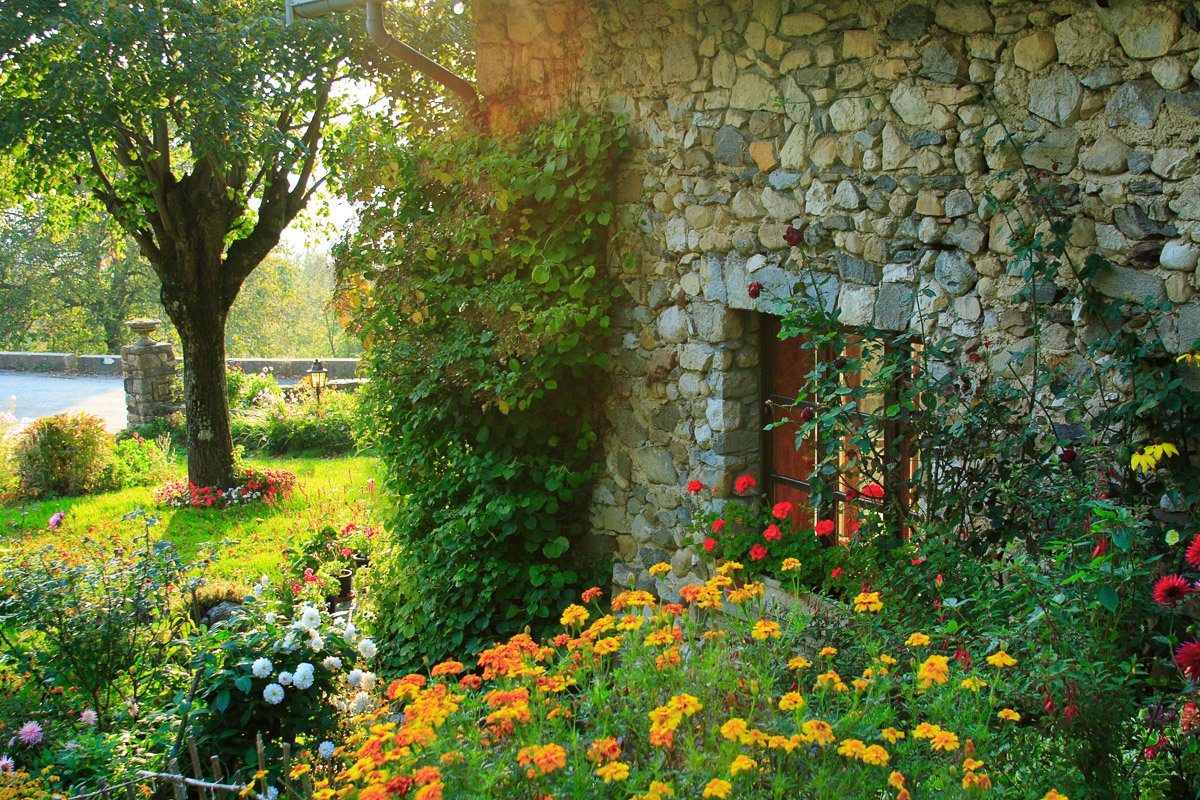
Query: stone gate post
point(149, 371)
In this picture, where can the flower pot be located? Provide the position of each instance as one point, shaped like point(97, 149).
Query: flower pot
point(361, 561)
point(346, 582)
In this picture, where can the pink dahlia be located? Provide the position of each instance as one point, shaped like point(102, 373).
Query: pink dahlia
point(29, 734)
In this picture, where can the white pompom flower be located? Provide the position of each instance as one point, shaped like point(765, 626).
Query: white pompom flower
point(262, 667)
point(367, 649)
point(302, 678)
point(325, 750)
point(332, 663)
point(273, 694)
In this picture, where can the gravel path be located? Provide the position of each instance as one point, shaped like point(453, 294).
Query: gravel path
point(29, 394)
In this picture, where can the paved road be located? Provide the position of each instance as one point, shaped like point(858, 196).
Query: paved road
point(28, 394)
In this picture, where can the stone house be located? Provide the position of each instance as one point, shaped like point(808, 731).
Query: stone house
point(875, 128)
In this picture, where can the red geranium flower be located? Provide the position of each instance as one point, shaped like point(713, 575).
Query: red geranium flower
point(718, 525)
point(918, 561)
point(772, 533)
point(837, 572)
point(782, 510)
point(1187, 658)
point(1170, 590)
point(758, 553)
point(695, 486)
point(825, 527)
point(1193, 553)
point(873, 491)
point(710, 544)
point(744, 484)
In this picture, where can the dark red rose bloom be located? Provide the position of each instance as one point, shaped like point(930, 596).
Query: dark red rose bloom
point(1170, 590)
point(754, 290)
point(772, 533)
point(710, 544)
point(1067, 456)
point(974, 357)
point(840, 362)
point(825, 527)
point(962, 657)
point(793, 237)
point(695, 486)
point(744, 484)
point(758, 553)
point(851, 494)
point(1187, 658)
point(1193, 553)
point(873, 491)
point(807, 413)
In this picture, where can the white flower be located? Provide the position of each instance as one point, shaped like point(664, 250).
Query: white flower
point(325, 750)
point(285, 678)
point(263, 580)
point(273, 693)
point(354, 677)
point(272, 793)
point(309, 618)
point(362, 701)
point(332, 663)
point(367, 649)
point(262, 667)
point(315, 641)
point(350, 633)
point(302, 678)
point(367, 681)
point(88, 717)
point(270, 617)
point(289, 642)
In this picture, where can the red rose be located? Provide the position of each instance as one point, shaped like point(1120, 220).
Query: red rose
point(837, 572)
point(710, 544)
point(772, 533)
point(744, 484)
point(825, 527)
point(807, 413)
point(782, 510)
point(1193, 553)
point(1067, 456)
point(694, 486)
point(1170, 590)
point(758, 553)
point(718, 525)
point(873, 491)
point(754, 290)
point(851, 494)
point(939, 579)
point(792, 237)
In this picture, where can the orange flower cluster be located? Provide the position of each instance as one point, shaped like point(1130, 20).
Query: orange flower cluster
point(666, 718)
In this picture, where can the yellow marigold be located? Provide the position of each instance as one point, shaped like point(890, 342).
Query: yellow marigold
point(613, 771)
point(828, 652)
point(896, 780)
point(860, 684)
point(657, 791)
point(632, 599)
point(875, 755)
point(298, 770)
point(892, 735)
point(430, 791)
point(606, 749)
point(542, 759)
point(979, 781)
point(742, 764)
point(712, 636)
point(765, 629)
point(886, 659)
point(1008, 715)
point(971, 764)
point(1001, 659)
point(718, 788)
point(745, 593)
point(792, 701)
point(868, 602)
point(799, 662)
point(944, 740)
point(573, 616)
point(817, 732)
point(728, 567)
point(607, 645)
point(735, 729)
point(376, 792)
point(685, 703)
point(851, 748)
point(926, 730)
point(831, 680)
point(630, 622)
point(660, 569)
point(973, 684)
point(917, 639)
point(663, 636)
point(447, 668)
point(1055, 794)
point(935, 669)
point(790, 564)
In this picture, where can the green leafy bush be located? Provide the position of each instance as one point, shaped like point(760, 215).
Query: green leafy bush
point(295, 423)
point(249, 389)
point(9, 478)
point(66, 454)
point(478, 274)
point(137, 461)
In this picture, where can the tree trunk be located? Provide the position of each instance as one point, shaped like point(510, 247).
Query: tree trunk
point(206, 404)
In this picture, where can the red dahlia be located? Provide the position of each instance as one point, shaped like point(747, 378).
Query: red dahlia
point(710, 544)
point(1170, 590)
point(1193, 553)
point(1187, 658)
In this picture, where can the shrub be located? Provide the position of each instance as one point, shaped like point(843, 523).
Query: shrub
point(137, 461)
point(66, 454)
point(250, 389)
point(294, 423)
point(486, 328)
point(9, 477)
point(255, 485)
point(722, 695)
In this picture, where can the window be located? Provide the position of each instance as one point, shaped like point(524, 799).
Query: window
point(787, 464)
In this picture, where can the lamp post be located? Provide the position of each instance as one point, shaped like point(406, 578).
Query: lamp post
point(317, 379)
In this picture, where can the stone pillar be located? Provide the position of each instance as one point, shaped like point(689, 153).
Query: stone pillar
point(149, 370)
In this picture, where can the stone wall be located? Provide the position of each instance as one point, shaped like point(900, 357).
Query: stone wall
point(876, 129)
point(149, 370)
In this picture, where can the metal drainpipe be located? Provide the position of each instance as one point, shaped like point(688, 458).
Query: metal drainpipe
point(391, 45)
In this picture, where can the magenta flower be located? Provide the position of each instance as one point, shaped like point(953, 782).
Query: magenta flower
point(57, 519)
point(30, 734)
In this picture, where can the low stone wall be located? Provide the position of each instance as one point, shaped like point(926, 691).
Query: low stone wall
point(338, 368)
point(345, 369)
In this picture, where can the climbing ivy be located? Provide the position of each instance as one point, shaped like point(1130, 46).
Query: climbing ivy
point(477, 281)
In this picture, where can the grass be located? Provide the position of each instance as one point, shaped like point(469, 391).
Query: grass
point(328, 490)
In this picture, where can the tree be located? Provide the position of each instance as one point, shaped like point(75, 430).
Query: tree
point(197, 124)
point(69, 290)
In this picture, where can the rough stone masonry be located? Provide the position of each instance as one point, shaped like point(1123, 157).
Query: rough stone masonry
point(876, 127)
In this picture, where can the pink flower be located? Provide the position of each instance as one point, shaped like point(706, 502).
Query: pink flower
point(7, 765)
point(88, 717)
point(57, 519)
point(782, 510)
point(30, 734)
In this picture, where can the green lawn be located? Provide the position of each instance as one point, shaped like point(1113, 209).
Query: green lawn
point(328, 490)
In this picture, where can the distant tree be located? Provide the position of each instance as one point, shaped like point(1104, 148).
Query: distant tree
point(69, 290)
point(197, 126)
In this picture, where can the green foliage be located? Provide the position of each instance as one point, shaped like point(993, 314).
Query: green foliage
point(295, 424)
point(248, 390)
point(137, 461)
point(9, 478)
point(479, 278)
point(66, 454)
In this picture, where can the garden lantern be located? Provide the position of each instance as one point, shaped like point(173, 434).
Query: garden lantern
point(317, 379)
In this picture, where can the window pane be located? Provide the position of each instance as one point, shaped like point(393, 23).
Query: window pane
point(792, 362)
